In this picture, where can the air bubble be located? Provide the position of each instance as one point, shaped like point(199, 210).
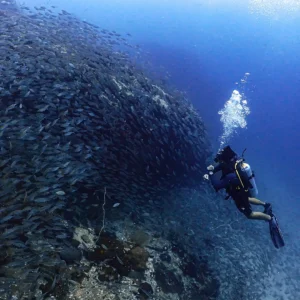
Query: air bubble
point(233, 116)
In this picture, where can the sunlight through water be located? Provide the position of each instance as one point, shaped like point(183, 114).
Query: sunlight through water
point(274, 8)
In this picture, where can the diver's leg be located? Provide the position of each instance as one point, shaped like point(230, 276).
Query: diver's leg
point(242, 202)
point(266, 205)
point(255, 215)
point(255, 201)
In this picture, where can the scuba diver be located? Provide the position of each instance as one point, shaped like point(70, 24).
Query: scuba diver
point(238, 181)
point(239, 185)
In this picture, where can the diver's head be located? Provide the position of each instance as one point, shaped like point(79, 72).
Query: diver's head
point(225, 155)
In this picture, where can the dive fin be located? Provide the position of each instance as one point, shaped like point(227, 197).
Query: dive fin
point(275, 232)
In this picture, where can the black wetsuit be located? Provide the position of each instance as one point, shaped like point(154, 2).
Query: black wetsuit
point(232, 184)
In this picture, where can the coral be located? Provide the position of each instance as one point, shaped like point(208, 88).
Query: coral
point(137, 258)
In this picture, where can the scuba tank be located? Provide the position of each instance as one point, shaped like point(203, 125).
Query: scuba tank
point(252, 188)
point(242, 170)
point(246, 176)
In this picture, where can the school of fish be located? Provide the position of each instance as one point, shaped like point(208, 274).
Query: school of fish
point(77, 116)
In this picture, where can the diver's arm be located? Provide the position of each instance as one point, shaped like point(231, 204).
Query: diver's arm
point(217, 168)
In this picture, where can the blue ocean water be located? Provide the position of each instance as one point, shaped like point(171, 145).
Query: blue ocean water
point(207, 47)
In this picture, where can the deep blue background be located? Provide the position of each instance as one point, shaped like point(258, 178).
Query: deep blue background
point(208, 46)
